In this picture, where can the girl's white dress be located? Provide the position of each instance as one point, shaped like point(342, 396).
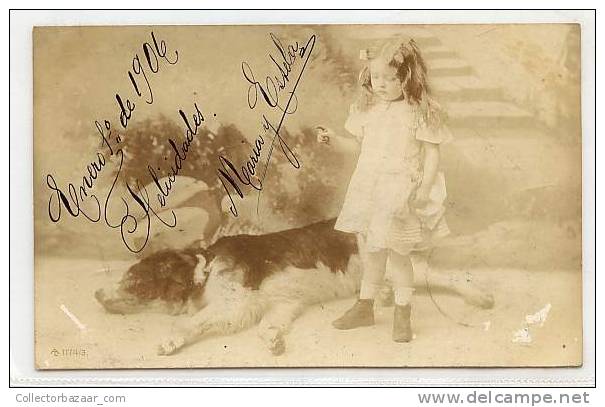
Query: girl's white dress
point(388, 172)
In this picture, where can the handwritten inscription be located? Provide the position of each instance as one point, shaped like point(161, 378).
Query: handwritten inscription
point(132, 210)
point(79, 199)
point(277, 91)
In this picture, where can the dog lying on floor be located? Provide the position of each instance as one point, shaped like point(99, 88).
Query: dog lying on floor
point(243, 280)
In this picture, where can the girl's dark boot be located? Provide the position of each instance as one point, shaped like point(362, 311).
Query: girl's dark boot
point(361, 314)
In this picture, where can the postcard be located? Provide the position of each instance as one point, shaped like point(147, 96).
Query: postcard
point(307, 196)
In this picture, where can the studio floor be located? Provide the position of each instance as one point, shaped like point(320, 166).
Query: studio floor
point(94, 339)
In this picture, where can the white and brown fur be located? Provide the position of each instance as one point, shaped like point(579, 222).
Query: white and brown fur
point(244, 280)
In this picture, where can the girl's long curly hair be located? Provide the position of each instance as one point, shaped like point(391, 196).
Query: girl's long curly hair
point(406, 58)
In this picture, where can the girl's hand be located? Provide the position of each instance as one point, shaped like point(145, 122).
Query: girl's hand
point(323, 134)
point(422, 197)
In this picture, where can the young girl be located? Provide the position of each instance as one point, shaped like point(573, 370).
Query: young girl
point(394, 202)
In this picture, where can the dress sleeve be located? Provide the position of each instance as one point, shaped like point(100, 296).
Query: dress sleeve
point(355, 122)
point(433, 133)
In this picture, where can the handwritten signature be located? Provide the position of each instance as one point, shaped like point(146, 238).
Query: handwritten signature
point(271, 92)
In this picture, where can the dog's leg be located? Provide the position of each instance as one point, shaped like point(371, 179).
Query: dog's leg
point(194, 331)
point(216, 319)
point(276, 323)
point(463, 286)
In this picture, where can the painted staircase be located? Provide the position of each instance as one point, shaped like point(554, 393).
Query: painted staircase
point(467, 99)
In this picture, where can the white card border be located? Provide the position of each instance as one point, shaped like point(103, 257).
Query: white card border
point(22, 372)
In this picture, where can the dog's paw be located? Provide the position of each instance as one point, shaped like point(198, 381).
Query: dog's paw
point(170, 346)
point(476, 296)
point(274, 340)
point(472, 293)
point(480, 299)
point(277, 345)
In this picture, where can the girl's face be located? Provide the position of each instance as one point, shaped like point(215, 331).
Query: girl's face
point(385, 83)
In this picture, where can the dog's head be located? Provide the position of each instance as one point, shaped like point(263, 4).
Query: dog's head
point(165, 281)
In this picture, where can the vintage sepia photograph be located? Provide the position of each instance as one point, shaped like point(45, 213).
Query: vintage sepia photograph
point(307, 196)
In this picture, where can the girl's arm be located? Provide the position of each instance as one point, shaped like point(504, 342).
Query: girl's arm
point(431, 165)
